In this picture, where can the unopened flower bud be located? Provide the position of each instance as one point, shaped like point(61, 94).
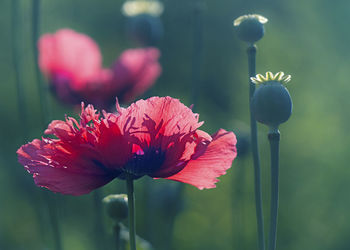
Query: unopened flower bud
point(116, 206)
point(243, 144)
point(271, 102)
point(145, 29)
point(250, 28)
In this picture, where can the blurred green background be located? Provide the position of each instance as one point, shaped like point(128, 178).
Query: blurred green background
point(307, 39)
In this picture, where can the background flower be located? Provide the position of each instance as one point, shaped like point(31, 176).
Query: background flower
point(135, 71)
point(73, 64)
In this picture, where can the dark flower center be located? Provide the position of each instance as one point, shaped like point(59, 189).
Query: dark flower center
point(144, 162)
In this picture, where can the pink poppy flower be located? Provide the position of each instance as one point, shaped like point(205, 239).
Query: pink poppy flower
point(73, 64)
point(135, 71)
point(158, 137)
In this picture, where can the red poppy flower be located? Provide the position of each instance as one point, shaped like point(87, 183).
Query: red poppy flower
point(158, 137)
point(73, 63)
point(135, 71)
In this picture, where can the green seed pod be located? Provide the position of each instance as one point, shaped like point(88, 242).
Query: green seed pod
point(116, 206)
point(271, 102)
point(250, 28)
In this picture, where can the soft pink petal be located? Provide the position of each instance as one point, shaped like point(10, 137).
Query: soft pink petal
point(162, 123)
point(203, 171)
point(72, 54)
point(112, 144)
point(160, 115)
point(135, 71)
point(60, 171)
point(76, 162)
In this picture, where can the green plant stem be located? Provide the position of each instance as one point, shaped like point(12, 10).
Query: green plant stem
point(43, 100)
point(197, 50)
point(238, 206)
point(99, 227)
point(274, 138)
point(255, 150)
point(131, 205)
point(15, 38)
point(117, 230)
point(49, 199)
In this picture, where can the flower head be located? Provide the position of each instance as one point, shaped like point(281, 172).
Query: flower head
point(271, 102)
point(135, 71)
point(250, 28)
point(158, 137)
point(116, 206)
point(73, 64)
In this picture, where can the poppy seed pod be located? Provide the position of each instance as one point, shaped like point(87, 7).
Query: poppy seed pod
point(145, 29)
point(243, 144)
point(271, 102)
point(116, 206)
point(250, 28)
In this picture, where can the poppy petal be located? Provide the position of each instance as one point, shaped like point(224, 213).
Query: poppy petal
point(203, 171)
point(135, 71)
point(51, 170)
point(70, 53)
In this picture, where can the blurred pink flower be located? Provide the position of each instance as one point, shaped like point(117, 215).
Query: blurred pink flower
point(135, 71)
point(73, 64)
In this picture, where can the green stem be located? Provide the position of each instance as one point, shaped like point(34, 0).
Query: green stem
point(255, 150)
point(40, 86)
point(52, 209)
point(117, 230)
point(49, 199)
point(197, 50)
point(274, 139)
point(131, 205)
point(238, 206)
point(15, 37)
point(99, 227)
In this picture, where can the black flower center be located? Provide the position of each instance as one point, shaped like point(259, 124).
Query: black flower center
point(144, 162)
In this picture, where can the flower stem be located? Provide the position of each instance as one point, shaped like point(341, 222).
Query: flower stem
point(16, 66)
point(117, 230)
point(51, 206)
point(238, 206)
point(35, 36)
point(49, 199)
point(99, 227)
point(255, 150)
point(197, 50)
point(274, 138)
point(131, 205)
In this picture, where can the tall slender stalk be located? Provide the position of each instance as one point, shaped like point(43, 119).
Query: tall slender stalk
point(274, 138)
point(15, 38)
point(131, 205)
point(49, 199)
point(197, 50)
point(255, 150)
point(43, 100)
point(99, 227)
point(238, 205)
